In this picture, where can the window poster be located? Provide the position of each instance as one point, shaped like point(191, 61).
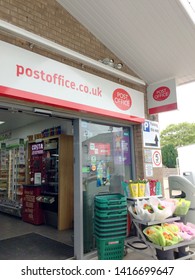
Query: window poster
point(121, 147)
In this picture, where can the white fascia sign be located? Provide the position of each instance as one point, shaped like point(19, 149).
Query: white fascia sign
point(31, 77)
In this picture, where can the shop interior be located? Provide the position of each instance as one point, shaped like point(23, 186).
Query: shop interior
point(36, 173)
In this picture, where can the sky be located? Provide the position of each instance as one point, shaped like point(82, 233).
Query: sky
point(186, 107)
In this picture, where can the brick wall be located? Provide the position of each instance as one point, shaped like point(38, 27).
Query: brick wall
point(48, 19)
point(169, 171)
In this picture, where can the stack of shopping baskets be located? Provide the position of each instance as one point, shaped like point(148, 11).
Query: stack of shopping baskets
point(110, 225)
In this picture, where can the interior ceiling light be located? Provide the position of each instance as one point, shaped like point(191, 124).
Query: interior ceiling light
point(1, 122)
point(42, 112)
point(189, 6)
point(110, 62)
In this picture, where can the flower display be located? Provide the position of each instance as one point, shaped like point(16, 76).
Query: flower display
point(187, 232)
point(152, 209)
point(163, 235)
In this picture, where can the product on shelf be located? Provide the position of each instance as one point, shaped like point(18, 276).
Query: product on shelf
point(182, 206)
point(142, 188)
point(152, 209)
point(163, 235)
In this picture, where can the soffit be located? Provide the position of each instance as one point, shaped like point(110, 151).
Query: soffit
point(155, 39)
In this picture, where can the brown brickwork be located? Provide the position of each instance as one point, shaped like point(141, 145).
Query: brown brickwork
point(48, 19)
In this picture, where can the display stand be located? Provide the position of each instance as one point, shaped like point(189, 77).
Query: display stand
point(31, 210)
point(155, 249)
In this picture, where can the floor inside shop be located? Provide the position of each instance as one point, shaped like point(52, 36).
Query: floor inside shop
point(11, 226)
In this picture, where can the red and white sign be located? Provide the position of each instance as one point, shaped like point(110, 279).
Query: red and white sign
point(122, 99)
point(102, 149)
point(32, 77)
point(156, 158)
point(162, 97)
point(161, 93)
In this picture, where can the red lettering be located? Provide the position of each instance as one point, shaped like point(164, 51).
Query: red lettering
point(19, 70)
point(42, 75)
point(59, 80)
point(28, 72)
point(48, 78)
point(36, 74)
point(73, 85)
point(67, 83)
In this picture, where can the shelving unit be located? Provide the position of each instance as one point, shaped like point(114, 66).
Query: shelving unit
point(17, 173)
point(50, 165)
point(3, 171)
point(12, 173)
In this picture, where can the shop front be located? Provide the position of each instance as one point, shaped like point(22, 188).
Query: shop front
point(82, 145)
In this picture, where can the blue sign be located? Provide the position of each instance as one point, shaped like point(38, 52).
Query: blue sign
point(146, 126)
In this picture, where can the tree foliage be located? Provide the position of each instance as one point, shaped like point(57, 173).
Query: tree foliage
point(169, 155)
point(181, 134)
point(175, 135)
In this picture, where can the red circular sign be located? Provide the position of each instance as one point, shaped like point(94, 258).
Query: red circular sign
point(161, 93)
point(157, 158)
point(122, 99)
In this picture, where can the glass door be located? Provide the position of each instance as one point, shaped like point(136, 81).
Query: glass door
point(106, 163)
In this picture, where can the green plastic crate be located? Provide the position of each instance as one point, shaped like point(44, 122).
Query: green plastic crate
point(111, 226)
point(111, 213)
point(110, 234)
point(112, 230)
point(110, 201)
point(111, 220)
point(110, 248)
point(105, 206)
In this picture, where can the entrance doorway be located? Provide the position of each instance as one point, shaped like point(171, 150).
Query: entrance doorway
point(23, 166)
